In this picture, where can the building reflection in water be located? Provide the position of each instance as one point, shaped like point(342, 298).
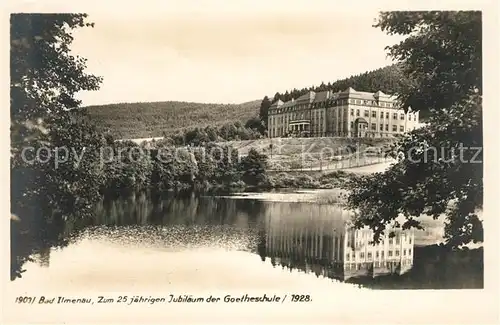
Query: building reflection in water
point(319, 239)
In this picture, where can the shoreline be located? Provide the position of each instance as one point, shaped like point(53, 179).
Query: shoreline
point(317, 196)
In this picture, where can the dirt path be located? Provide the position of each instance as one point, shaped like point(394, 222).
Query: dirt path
point(375, 168)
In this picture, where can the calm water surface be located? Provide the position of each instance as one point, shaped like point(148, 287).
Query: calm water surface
point(152, 242)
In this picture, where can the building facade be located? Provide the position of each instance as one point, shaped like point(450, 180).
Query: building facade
point(349, 113)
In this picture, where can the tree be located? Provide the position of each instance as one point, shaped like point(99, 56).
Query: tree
point(226, 164)
point(256, 124)
point(228, 132)
point(129, 167)
point(44, 79)
point(211, 133)
point(264, 111)
point(253, 167)
point(174, 167)
point(45, 76)
point(441, 57)
point(206, 165)
point(286, 96)
point(441, 170)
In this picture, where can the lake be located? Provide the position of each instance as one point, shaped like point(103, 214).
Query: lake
point(206, 242)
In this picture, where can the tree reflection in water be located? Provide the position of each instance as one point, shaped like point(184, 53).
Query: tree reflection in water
point(306, 237)
point(34, 236)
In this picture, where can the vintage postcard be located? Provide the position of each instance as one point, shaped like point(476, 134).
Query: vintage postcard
point(250, 162)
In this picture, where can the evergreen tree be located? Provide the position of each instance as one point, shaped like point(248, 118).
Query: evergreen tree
point(264, 110)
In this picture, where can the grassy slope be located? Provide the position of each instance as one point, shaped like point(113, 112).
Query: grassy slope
point(144, 120)
point(290, 146)
point(289, 152)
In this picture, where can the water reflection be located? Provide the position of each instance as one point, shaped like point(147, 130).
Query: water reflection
point(319, 239)
point(314, 239)
point(185, 208)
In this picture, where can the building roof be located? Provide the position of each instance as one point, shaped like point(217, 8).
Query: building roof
point(364, 95)
point(289, 103)
point(321, 96)
point(277, 103)
point(307, 97)
point(367, 95)
point(380, 94)
point(351, 92)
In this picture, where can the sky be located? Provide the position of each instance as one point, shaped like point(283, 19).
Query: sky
point(228, 54)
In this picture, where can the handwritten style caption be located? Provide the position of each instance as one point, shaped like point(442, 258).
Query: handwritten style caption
point(140, 299)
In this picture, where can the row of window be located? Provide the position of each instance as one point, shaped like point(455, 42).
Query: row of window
point(329, 103)
point(291, 117)
point(359, 235)
point(370, 256)
point(366, 113)
point(370, 102)
point(374, 114)
point(391, 240)
point(350, 101)
point(294, 116)
point(286, 118)
point(298, 107)
point(320, 120)
point(356, 266)
point(381, 128)
point(320, 113)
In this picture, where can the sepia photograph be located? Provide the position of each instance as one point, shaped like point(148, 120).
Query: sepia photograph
point(282, 163)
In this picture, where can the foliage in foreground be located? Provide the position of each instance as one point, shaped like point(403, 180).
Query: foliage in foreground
point(442, 57)
point(45, 77)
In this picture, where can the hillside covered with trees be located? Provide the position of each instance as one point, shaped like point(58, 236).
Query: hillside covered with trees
point(387, 79)
point(144, 120)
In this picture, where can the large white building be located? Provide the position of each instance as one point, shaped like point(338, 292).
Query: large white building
point(349, 113)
